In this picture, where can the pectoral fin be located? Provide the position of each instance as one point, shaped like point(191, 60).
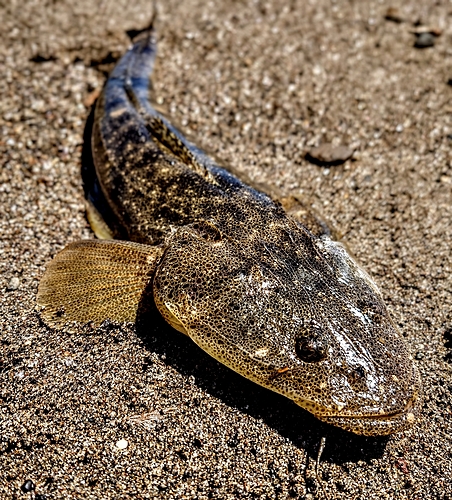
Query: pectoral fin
point(91, 281)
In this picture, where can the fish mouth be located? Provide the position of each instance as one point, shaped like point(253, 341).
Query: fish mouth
point(379, 424)
point(374, 424)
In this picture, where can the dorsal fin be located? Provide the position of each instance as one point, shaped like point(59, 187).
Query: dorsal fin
point(173, 143)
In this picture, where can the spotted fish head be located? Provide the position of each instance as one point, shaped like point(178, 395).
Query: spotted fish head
point(370, 376)
point(303, 320)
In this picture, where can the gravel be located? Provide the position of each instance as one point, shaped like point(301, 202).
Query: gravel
point(258, 84)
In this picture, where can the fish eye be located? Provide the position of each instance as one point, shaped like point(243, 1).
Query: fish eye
point(310, 348)
point(207, 231)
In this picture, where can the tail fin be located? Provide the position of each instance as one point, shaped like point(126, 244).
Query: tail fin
point(131, 78)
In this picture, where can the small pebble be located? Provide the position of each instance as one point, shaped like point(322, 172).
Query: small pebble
point(14, 283)
point(393, 14)
point(91, 98)
point(402, 465)
point(28, 486)
point(122, 444)
point(419, 355)
point(424, 40)
point(327, 154)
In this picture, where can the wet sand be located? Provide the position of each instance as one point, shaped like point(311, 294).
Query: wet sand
point(259, 84)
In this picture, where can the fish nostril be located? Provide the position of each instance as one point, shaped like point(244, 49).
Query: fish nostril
point(360, 372)
point(356, 377)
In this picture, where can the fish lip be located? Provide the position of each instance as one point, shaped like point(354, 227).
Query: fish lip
point(378, 424)
point(409, 406)
point(372, 416)
point(372, 423)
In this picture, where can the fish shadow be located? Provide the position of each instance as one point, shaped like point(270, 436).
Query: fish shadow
point(278, 412)
point(87, 170)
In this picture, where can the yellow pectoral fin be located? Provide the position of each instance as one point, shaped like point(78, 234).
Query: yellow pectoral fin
point(91, 281)
point(97, 223)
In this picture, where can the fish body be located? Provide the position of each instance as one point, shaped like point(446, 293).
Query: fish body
point(264, 290)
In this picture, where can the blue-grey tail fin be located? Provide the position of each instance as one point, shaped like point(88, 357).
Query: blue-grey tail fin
point(118, 125)
point(131, 78)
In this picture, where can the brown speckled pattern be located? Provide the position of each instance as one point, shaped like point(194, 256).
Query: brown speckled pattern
point(92, 281)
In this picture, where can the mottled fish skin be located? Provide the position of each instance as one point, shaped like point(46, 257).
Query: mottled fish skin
point(281, 304)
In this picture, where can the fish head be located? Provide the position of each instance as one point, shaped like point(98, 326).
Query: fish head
point(297, 315)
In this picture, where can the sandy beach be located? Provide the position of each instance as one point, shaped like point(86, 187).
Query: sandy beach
point(124, 412)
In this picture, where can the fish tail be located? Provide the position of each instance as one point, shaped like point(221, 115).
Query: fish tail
point(131, 78)
point(119, 132)
point(134, 74)
point(128, 131)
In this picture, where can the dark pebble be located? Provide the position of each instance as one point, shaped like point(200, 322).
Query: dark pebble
point(424, 40)
point(328, 155)
point(419, 355)
point(28, 486)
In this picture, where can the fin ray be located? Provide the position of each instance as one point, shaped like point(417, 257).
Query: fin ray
point(91, 281)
